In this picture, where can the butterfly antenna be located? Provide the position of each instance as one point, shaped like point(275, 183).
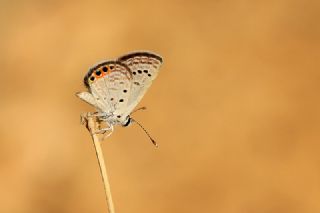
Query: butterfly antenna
point(141, 108)
point(153, 141)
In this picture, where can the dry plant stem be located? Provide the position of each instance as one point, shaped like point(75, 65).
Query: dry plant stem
point(91, 124)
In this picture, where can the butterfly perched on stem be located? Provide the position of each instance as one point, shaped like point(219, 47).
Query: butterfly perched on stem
point(115, 87)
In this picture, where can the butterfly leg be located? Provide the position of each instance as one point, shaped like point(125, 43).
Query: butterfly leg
point(103, 131)
point(141, 108)
point(86, 115)
point(108, 129)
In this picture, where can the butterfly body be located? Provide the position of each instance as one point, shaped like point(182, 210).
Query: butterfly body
point(115, 87)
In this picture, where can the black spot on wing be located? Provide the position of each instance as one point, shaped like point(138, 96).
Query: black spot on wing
point(104, 69)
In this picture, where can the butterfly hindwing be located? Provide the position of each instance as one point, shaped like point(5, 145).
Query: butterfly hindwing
point(109, 83)
point(144, 67)
point(87, 97)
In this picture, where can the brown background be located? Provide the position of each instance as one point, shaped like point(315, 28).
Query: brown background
point(235, 108)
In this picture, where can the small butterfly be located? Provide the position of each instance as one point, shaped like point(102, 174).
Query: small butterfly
point(115, 87)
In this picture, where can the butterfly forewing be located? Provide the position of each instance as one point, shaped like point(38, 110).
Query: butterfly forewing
point(144, 67)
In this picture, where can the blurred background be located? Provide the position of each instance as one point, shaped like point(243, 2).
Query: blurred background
point(235, 108)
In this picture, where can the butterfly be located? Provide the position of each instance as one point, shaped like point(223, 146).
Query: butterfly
point(115, 87)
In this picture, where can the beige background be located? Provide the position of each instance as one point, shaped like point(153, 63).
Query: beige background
point(235, 108)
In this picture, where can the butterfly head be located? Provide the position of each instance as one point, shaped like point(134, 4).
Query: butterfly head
point(127, 122)
point(119, 120)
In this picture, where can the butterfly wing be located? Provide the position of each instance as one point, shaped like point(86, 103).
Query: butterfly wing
point(109, 84)
point(87, 97)
point(144, 67)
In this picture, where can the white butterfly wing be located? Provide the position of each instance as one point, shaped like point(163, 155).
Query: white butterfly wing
point(87, 97)
point(109, 83)
point(144, 67)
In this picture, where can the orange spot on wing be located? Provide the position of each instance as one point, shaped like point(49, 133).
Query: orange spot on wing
point(100, 72)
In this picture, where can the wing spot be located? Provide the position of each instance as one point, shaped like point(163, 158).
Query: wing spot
point(149, 75)
point(139, 71)
point(119, 116)
point(105, 69)
point(98, 72)
point(121, 100)
point(145, 71)
point(111, 99)
point(92, 78)
point(136, 83)
point(134, 73)
point(111, 67)
point(125, 91)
